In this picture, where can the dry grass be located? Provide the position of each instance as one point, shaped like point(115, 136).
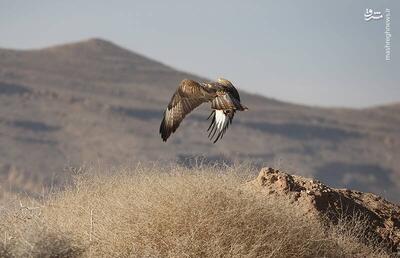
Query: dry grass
point(170, 212)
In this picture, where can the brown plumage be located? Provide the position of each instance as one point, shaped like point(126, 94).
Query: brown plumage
point(224, 98)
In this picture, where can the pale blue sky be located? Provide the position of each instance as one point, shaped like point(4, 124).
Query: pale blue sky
point(310, 52)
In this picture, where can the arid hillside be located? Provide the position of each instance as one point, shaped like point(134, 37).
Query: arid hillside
point(94, 102)
point(202, 211)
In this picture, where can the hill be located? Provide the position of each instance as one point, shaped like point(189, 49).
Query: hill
point(200, 212)
point(93, 101)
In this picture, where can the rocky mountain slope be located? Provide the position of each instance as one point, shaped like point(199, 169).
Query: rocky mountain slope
point(94, 102)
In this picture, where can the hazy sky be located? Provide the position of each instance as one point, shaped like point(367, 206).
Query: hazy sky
point(310, 52)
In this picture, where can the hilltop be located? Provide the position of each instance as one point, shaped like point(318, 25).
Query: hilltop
point(200, 212)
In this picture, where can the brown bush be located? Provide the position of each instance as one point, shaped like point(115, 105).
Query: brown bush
point(172, 212)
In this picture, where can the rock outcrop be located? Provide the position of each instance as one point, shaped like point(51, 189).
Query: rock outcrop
point(329, 204)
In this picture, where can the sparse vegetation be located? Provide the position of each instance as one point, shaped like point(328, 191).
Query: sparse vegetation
point(171, 212)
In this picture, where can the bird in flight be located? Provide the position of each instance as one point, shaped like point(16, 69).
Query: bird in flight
point(224, 98)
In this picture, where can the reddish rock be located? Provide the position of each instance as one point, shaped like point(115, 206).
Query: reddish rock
point(322, 202)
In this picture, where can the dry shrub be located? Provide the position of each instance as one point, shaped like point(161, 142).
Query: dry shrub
point(171, 212)
point(354, 235)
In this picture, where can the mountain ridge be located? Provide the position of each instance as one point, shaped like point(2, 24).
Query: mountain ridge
point(100, 45)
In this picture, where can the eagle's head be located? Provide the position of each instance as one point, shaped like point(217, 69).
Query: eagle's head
point(224, 82)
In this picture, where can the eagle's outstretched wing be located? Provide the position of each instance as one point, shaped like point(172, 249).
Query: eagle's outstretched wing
point(187, 97)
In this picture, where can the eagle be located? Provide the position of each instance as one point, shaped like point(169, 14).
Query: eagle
point(224, 98)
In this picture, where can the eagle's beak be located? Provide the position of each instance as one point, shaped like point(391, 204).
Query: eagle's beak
point(245, 108)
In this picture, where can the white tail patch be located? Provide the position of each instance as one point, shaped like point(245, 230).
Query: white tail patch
point(219, 124)
point(220, 119)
